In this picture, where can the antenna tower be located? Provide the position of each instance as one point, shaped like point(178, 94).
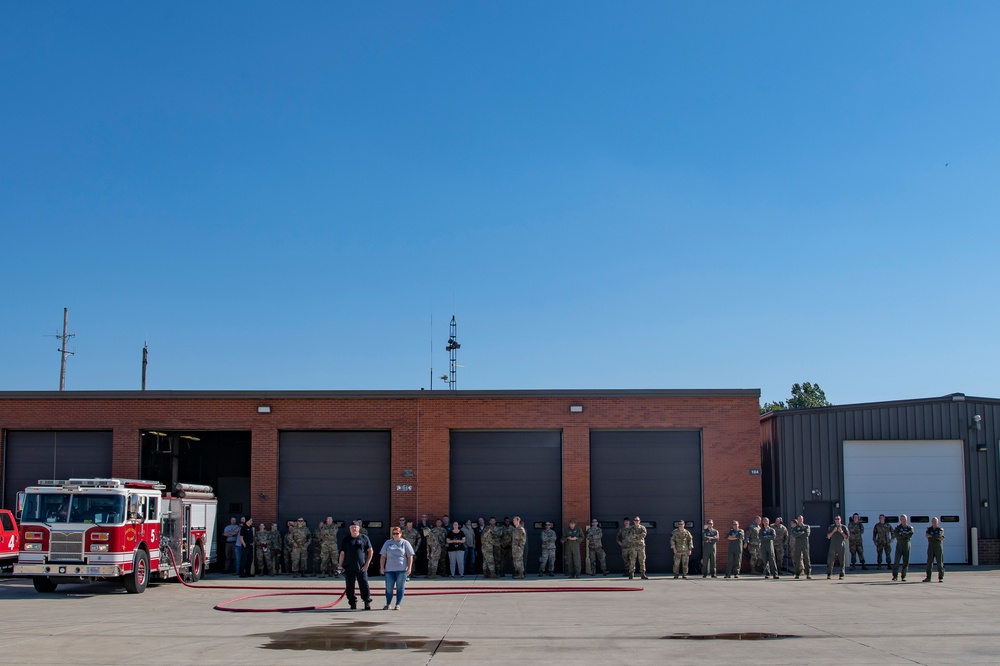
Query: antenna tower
point(452, 349)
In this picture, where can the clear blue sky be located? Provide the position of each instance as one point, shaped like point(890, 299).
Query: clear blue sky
point(608, 195)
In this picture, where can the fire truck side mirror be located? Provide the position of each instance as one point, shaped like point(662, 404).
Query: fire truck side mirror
point(133, 507)
point(20, 505)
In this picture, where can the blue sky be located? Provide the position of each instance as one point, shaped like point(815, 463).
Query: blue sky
point(607, 195)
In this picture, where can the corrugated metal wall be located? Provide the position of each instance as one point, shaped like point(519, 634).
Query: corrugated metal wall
point(802, 450)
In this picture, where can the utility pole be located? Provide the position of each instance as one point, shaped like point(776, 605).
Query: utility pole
point(63, 350)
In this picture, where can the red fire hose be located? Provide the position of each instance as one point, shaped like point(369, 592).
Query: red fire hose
point(325, 591)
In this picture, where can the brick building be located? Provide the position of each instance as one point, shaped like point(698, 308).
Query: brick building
point(666, 455)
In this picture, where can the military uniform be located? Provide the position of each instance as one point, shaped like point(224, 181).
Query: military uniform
point(265, 559)
point(709, 539)
point(287, 550)
point(486, 540)
point(572, 538)
point(500, 551)
point(638, 533)
point(753, 547)
point(277, 551)
point(681, 542)
point(838, 549)
point(518, 542)
point(856, 542)
point(595, 548)
point(435, 547)
point(547, 562)
point(413, 536)
point(882, 536)
point(800, 550)
point(734, 554)
point(300, 549)
point(903, 534)
point(329, 551)
point(780, 542)
point(628, 553)
point(935, 551)
point(767, 535)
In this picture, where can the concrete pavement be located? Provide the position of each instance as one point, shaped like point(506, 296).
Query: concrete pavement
point(864, 619)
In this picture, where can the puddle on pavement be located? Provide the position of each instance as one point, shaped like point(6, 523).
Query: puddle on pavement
point(357, 637)
point(745, 636)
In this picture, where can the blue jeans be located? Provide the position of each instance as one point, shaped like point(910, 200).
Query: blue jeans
point(470, 560)
point(395, 579)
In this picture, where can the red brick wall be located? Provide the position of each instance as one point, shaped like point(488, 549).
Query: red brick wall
point(989, 551)
point(420, 424)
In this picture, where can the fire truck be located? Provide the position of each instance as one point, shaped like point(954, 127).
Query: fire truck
point(80, 530)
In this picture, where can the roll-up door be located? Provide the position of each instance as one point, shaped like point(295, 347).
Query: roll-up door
point(344, 474)
point(919, 478)
point(509, 473)
point(653, 474)
point(53, 454)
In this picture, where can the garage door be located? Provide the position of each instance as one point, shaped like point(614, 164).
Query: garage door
point(344, 474)
point(655, 474)
point(508, 473)
point(34, 455)
point(921, 478)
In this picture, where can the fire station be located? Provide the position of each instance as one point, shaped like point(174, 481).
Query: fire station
point(665, 455)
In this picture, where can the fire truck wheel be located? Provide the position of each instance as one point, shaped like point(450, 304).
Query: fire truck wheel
point(43, 584)
point(197, 565)
point(135, 582)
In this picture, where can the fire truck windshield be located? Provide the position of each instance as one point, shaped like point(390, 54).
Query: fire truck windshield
point(73, 508)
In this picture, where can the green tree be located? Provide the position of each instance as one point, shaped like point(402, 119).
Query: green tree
point(804, 396)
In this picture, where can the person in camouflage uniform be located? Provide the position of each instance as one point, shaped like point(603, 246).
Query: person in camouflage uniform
point(301, 537)
point(903, 533)
point(329, 551)
point(435, 547)
point(753, 545)
point(767, 535)
point(277, 551)
point(264, 557)
point(625, 543)
point(780, 541)
point(505, 542)
point(595, 548)
point(518, 542)
point(547, 562)
point(734, 555)
point(486, 541)
point(800, 548)
point(882, 538)
point(856, 530)
point(499, 553)
point(639, 544)
point(681, 543)
point(286, 550)
point(709, 539)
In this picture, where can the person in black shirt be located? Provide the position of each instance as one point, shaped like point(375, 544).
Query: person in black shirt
point(355, 555)
point(246, 540)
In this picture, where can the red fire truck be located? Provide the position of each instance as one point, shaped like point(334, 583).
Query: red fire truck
point(80, 530)
point(9, 539)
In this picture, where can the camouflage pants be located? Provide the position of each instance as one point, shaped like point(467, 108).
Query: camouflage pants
point(857, 549)
point(800, 559)
point(300, 559)
point(489, 569)
point(628, 554)
point(264, 562)
point(517, 553)
point(779, 553)
point(598, 558)
point(681, 563)
point(433, 559)
point(755, 561)
point(640, 558)
point(499, 557)
point(287, 555)
point(547, 562)
point(328, 555)
point(883, 548)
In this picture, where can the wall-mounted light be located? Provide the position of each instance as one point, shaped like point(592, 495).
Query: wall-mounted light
point(981, 447)
point(575, 409)
point(263, 496)
point(986, 504)
point(977, 423)
point(264, 409)
point(817, 493)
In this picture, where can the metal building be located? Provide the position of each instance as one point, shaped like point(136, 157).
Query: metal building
point(923, 458)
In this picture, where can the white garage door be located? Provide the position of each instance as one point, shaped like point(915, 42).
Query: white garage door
point(921, 478)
